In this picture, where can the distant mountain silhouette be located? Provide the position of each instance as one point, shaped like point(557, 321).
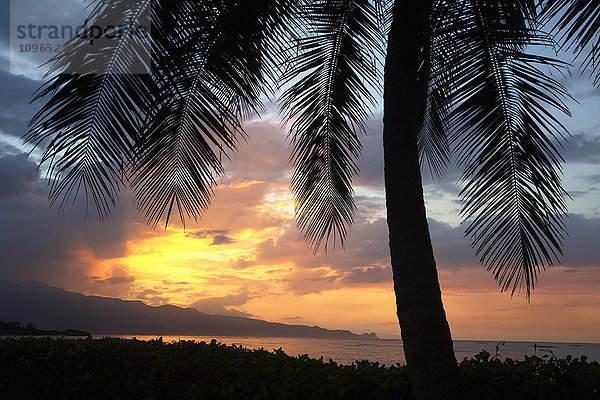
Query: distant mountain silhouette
point(50, 307)
point(15, 328)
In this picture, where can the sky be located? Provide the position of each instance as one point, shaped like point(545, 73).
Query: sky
point(247, 258)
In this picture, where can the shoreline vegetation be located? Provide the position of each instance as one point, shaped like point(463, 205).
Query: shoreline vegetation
point(15, 328)
point(113, 368)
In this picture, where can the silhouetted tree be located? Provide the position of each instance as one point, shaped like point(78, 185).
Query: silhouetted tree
point(460, 77)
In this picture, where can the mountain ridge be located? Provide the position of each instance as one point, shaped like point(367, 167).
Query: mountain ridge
point(51, 307)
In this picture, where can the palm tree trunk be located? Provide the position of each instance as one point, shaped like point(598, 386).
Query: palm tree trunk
point(425, 331)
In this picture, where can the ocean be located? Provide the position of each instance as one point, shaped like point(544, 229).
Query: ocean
point(389, 351)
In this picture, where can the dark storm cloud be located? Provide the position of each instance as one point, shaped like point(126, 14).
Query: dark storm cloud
point(4, 25)
point(17, 92)
point(38, 243)
point(17, 175)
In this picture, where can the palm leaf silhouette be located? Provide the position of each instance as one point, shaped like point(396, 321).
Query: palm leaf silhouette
point(91, 119)
point(332, 78)
point(507, 141)
point(578, 24)
point(163, 133)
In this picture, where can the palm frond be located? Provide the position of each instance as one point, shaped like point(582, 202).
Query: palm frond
point(94, 111)
point(507, 139)
point(434, 81)
point(384, 14)
point(212, 67)
point(164, 132)
point(331, 85)
point(578, 25)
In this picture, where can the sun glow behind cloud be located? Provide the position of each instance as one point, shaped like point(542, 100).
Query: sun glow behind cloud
point(201, 256)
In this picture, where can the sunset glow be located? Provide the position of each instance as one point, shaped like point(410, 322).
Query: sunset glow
point(247, 258)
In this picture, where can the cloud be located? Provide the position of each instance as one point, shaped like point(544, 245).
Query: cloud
point(153, 297)
point(168, 282)
point(583, 148)
point(441, 190)
point(222, 305)
point(17, 175)
point(316, 280)
point(38, 243)
point(593, 179)
point(367, 245)
point(239, 206)
point(5, 21)
point(265, 157)
point(160, 294)
point(371, 162)
point(581, 246)
point(294, 318)
point(369, 275)
point(219, 237)
point(453, 250)
point(17, 92)
point(241, 263)
point(219, 240)
point(119, 275)
point(582, 193)
point(205, 233)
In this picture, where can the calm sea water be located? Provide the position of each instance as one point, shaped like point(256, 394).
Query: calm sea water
point(389, 351)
